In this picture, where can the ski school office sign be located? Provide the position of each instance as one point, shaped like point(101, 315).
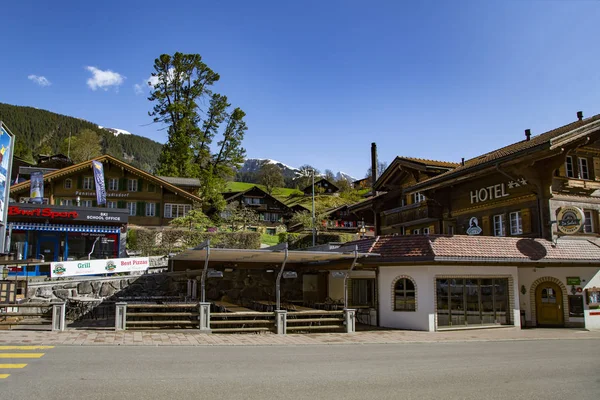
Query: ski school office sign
point(98, 267)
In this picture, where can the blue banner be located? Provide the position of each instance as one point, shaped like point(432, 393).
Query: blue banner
point(36, 191)
point(6, 140)
point(99, 178)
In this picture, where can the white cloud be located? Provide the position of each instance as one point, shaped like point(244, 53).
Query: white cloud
point(150, 83)
point(40, 80)
point(104, 79)
point(138, 89)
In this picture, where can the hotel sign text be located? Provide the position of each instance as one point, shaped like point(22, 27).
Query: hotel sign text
point(494, 191)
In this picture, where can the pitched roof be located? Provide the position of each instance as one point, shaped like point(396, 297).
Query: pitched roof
point(177, 181)
point(478, 249)
point(106, 158)
point(320, 180)
point(237, 194)
point(432, 163)
point(543, 141)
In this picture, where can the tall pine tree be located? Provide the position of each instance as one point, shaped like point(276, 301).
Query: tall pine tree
point(179, 84)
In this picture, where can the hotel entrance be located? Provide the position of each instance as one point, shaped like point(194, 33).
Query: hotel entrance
point(548, 304)
point(472, 301)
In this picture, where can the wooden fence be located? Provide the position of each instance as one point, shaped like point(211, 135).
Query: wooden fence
point(40, 314)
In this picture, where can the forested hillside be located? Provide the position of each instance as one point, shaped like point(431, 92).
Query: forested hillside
point(43, 132)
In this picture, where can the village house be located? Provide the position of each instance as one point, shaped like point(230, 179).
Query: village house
point(525, 215)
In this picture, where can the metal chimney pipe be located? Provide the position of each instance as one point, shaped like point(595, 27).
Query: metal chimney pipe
point(527, 134)
point(373, 164)
point(579, 115)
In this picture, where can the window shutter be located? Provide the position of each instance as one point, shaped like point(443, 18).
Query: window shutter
point(157, 211)
point(94, 203)
point(140, 183)
point(526, 220)
point(485, 225)
point(140, 211)
point(123, 184)
point(57, 201)
point(79, 182)
point(596, 161)
point(120, 204)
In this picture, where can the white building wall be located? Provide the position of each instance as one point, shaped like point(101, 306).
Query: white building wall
point(529, 275)
point(423, 318)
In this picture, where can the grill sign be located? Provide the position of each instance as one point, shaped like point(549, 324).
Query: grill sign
point(570, 220)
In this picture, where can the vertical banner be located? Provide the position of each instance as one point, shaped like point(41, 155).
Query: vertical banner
point(99, 178)
point(36, 191)
point(6, 145)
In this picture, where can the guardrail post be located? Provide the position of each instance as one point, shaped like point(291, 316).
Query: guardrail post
point(281, 321)
point(58, 316)
point(120, 316)
point(350, 320)
point(204, 309)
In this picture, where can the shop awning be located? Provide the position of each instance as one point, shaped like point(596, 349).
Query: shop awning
point(267, 256)
point(30, 226)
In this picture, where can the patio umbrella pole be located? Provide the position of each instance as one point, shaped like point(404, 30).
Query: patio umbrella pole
point(277, 285)
point(203, 279)
point(347, 275)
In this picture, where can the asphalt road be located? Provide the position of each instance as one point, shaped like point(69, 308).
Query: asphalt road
point(552, 369)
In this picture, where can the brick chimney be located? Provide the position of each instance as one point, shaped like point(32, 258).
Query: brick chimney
point(527, 134)
point(579, 115)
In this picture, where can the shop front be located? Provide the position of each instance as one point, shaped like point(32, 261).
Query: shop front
point(64, 233)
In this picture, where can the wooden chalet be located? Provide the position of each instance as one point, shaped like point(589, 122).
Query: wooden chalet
point(322, 186)
point(271, 211)
point(149, 200)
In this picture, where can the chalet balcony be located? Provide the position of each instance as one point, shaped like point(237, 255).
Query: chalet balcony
point(424, 211)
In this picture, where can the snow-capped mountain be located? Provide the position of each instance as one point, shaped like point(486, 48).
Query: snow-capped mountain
point(116, 131)
point(342, 175)
point(253, 165)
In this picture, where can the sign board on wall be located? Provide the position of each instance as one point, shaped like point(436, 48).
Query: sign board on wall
point(495, 192)
point(569, 219)
point(98, 267)
point(67, 213)
point(573, 280)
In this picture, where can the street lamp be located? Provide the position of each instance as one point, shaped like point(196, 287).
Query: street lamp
point(314, 227)
point(78, 200)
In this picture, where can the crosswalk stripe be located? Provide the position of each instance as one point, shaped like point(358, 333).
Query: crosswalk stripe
point(21, 355)
point(8, 366)
point(4, 376)
point(26, 347)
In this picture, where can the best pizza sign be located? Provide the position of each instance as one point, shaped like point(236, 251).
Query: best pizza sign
point(98, 267)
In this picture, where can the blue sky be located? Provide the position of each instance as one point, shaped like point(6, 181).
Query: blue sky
point(321, 80)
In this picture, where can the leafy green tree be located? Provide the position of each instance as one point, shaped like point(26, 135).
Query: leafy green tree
point(238, 216)
point(305, 218)
point(195, 219)
point(329, 175)
point(84, 146)
point(271, 177)
point(304, 178)
point(180, 85)
point(381, 166)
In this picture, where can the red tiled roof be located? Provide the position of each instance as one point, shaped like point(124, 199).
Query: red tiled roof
point(511, 149)
point(477, 249)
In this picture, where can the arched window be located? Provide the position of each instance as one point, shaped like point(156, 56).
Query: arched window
point(68, 183)
point(405, 295)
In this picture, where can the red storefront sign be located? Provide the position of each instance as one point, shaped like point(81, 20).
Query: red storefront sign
point(41, 212)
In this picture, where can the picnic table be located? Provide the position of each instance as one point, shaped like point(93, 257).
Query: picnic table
point(231, 307)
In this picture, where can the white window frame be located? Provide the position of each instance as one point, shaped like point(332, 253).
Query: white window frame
point(132, 207)
point(86, 203)
point(589, 217)
point(132, 185)
point(425, 231)
point(569, 164)
point(113, 184)
point(150, 209)
point(66, 202)
point(88, 182)
point(418, 197)
point(499, 225)
point(516, 223)
point(450, 230)
point(111, 204)
point(584, 170)
point(174, 210)
point(416, 231)
point(68, 184)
